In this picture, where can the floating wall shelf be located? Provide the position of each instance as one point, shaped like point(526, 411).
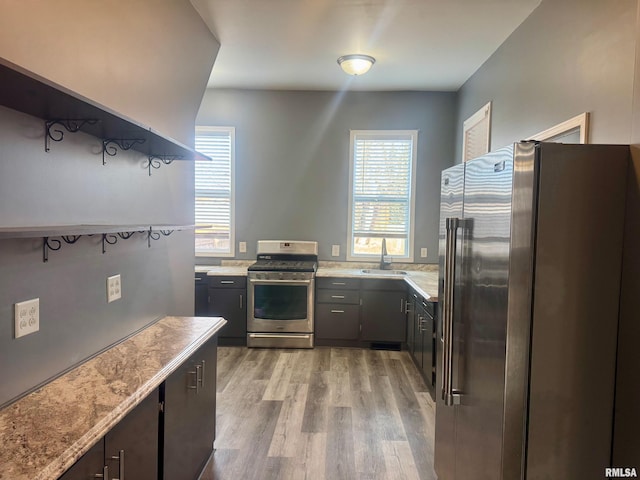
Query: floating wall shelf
point(53, 237)
point(34, 95)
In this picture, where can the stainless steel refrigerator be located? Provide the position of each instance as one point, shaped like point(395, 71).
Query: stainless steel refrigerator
point(531, 241)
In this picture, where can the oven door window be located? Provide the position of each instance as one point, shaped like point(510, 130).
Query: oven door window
point(280, 302)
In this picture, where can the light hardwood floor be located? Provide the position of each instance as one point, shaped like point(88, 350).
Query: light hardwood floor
point(325, 413)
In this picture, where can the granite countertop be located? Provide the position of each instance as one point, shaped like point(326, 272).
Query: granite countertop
point(45, 432)
point(422, 277)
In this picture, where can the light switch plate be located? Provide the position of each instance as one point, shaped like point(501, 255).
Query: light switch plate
point(423, 252)
point(114, 288)
point(335, 250)
point(242, 246)
point(27, 317)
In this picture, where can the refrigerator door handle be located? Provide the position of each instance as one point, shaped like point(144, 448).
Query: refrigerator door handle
point(448, 396)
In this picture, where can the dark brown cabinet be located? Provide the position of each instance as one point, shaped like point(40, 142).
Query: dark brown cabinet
point(89, 465)
point(201, 295)
point(337, 311)
point(360, 312)
point(131, 447)
point(189, 404)
point(225, 297)
point(421, 336)
point(383, 311)
point(128, 450)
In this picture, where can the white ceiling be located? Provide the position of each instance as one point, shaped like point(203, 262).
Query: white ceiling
point(295, 44)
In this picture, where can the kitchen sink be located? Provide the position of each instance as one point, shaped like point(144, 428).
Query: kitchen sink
point(377, 271)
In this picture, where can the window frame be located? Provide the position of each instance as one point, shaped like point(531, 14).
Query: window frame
point(201, 130)
point(413, 135)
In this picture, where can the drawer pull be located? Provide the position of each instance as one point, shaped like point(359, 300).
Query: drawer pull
point(337, 296)
point(338, 283)
point(104, 474)
point(337, 311)
point(227, 282)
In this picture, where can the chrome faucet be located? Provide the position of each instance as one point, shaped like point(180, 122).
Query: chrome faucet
point(385, 259)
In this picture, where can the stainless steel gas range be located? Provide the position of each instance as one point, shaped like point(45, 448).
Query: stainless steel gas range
point(280, 294)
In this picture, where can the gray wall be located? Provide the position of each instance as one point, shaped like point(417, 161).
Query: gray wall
point(568, 57)
point(69, 185)
point(292, 159)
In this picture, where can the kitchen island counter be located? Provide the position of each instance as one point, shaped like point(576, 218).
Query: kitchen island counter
point(48, 430)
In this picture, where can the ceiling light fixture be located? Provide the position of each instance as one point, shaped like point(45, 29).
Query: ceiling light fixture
point(356, 64)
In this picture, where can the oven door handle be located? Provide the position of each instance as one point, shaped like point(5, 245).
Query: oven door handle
point(278, 335)
point(282, 282)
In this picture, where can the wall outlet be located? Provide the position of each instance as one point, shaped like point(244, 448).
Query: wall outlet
point(114, 288)
point(242, 247)
point(423, 252)
point(27, 317)
point(335, 250)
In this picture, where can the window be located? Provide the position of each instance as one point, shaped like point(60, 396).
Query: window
point(382, 193)
point(214, 192)
point(476, 133)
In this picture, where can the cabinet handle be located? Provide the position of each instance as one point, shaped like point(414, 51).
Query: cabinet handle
point(227, 282)
point(338, 283)
point(104, 474)
point(120, 458)
point(198, 279)
point(337, 311)
point(240, 301)
point(202, 375)
point(337, 296)
point(195, 372)
point(407, 307)
point(402, 305)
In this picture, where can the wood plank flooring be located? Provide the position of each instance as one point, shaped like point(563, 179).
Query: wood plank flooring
point(325, 413)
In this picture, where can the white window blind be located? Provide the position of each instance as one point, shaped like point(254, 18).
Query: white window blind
point(382, 193)
point(477, 134)
point(214, 182)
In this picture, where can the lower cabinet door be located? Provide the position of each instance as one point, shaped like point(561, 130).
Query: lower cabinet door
point(231, 304)
point(383, 316)
point(131, 447)
point(189, 415)
point(337, 322)
point(89, 465)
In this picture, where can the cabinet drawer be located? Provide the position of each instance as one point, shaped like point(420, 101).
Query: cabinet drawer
point(228, 282)
point(338, 296)
point(338, 283)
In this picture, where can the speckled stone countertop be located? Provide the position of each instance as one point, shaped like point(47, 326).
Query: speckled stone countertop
point(45, 432)
point(422, 277)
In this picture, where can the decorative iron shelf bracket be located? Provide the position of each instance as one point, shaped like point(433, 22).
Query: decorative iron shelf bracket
point(53, 237)
point(154, 160)
point(109, 145)
point(71, 125)
point(54, 244)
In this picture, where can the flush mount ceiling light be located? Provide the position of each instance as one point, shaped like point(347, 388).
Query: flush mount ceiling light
point(356, 64)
